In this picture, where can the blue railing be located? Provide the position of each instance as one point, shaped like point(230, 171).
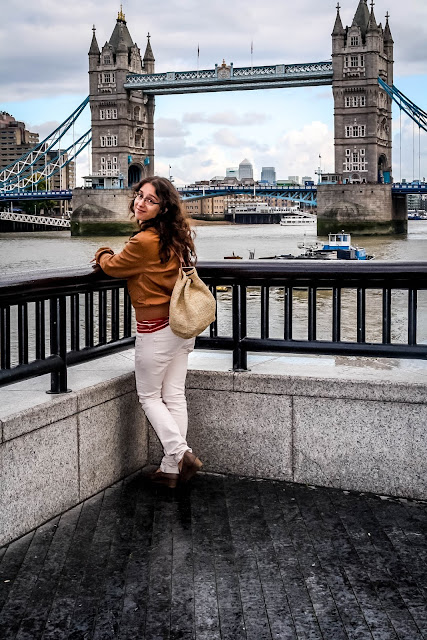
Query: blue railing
point(54, 320)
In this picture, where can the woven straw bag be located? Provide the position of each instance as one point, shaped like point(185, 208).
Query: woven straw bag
point(192, 305)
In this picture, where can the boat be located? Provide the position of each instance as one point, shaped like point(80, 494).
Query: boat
point(417, 214)
point(338, 247)
point(293, 217)
point(233, 257)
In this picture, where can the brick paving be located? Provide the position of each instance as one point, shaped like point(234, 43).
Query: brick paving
point(225, 558)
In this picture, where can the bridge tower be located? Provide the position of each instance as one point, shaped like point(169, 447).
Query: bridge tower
point(363, 201)
point(363, 133)
point(122, 121)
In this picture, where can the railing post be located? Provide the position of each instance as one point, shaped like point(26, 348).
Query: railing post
point(287, 334)
point(5, 337)
point(361, 314)
point(336, 314)
point(412, 317)
point(58, 343)
point(265, 312)
point(312, 322)
point(240, 358)
point(386, 315)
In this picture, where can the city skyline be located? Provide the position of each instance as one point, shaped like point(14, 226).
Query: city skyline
point(201, 134)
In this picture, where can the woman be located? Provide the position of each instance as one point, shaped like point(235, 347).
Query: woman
point(150, 261)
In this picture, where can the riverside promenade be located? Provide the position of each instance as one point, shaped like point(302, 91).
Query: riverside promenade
point(228, 557)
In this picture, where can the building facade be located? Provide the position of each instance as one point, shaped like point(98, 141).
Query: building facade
point(268, 174)
point(122, 121)
point(363, 133)
point(15, 139)
point(246, 170)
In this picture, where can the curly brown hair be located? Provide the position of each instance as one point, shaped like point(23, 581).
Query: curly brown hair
point(171, 223)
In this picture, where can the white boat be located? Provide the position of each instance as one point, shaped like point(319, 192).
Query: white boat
point(293, 217)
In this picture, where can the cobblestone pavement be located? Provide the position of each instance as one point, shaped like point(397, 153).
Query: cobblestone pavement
point(225, 558)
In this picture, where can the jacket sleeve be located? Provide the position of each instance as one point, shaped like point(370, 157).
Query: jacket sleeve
point(128, 262)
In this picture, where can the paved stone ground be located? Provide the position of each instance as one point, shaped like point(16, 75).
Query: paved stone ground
point(226, 558)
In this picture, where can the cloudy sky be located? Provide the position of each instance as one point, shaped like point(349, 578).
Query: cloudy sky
point(43, 77)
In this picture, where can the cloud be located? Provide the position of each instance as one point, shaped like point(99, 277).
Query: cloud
point(227, 117)
point(228, 138)
point(44, 129)
point(169, 128)
point(173, 148)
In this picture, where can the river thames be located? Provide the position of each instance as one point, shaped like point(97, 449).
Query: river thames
point(29, 252)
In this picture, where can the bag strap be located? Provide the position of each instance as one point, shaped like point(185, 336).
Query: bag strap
point(181, 260)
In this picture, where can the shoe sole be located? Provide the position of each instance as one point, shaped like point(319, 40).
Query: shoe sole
point(171, 483)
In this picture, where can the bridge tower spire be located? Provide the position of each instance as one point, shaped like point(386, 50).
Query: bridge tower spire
point(122, 120)
point(363, 132)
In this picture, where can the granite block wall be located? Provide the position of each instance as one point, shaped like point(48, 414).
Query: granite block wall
point(364, 435)
point(55, 455)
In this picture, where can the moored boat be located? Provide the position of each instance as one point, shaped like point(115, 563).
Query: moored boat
point(338, 247)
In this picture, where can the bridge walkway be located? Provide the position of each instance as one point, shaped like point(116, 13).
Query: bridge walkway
point(227, 558)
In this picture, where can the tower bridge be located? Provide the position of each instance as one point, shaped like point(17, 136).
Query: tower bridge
point(123, 85)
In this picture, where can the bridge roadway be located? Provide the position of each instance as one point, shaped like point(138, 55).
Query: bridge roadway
point(228, 558)
point(228, 78)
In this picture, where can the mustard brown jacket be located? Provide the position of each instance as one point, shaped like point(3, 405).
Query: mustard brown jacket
point(150, 282)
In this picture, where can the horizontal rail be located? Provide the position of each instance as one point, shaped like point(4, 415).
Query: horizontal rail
point(58, 318)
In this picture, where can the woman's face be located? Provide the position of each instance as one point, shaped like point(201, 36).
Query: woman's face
point(146, 204)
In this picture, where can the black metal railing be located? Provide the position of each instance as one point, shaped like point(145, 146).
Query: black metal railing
point(379, 309)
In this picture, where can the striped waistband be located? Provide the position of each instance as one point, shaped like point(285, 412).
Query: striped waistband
point(150, 326)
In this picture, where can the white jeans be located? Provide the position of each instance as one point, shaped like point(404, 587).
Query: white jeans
point(161, 360)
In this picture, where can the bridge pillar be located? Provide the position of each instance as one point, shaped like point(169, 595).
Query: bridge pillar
point(363, 209)
point(102, 212)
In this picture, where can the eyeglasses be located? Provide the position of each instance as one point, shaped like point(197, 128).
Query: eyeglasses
point(148, 200)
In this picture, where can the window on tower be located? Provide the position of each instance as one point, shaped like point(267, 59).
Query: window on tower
point(355, 101)
point(108, 114)
point(355, 160)
point(109, 141)
point(355, 131)
point(354, 41)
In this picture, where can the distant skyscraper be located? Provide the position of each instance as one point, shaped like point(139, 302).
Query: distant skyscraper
point(246, 169)
point(294, 179)
point(268, 174)
point(15, 139)
point(232, 172)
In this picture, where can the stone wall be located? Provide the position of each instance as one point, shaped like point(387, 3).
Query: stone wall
point(365, 209)
point(101, 212)
point(361, 435)
point(57, 454)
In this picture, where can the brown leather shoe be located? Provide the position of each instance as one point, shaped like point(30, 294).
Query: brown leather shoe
point(188, 466)
point(167, 479)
